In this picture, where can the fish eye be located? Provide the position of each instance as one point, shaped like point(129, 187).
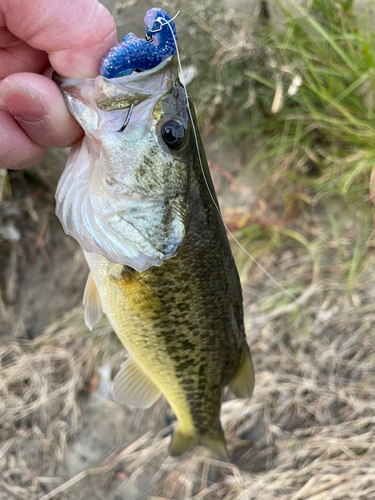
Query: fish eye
point(173, 135)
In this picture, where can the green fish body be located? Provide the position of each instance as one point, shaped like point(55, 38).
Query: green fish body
point(178, 308)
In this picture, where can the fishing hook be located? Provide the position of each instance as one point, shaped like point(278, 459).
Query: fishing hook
point(127, 119)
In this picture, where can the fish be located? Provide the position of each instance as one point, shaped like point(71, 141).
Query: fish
point(138, 197)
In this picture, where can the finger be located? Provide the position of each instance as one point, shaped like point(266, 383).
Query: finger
point(21, 57)
point(75, 33)
point(7, 39)
point(17, 149)
point(37, 105)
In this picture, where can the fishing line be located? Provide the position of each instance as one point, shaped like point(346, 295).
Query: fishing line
point(162, 21)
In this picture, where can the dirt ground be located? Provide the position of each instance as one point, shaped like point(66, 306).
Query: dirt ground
point(306, 434)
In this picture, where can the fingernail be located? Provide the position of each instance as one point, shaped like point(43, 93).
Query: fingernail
point(23, 104)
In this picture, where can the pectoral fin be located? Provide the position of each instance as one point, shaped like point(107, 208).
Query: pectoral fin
point(242, 384)
point(91, 303)
point(133, 387)
point(140, 298)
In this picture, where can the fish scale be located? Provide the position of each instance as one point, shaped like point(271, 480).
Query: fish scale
point(183, 325)
point(163, 272)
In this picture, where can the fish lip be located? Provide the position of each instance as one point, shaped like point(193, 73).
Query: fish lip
point(108, 94)
point(134, 77)
point(61, 80)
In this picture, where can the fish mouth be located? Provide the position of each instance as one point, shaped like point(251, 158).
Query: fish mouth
point(168, 62)
point(124, 91)
point(140, 229)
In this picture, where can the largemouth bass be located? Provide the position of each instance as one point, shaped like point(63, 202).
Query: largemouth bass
point(140, 201)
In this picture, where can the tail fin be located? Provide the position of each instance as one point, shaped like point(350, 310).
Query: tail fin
point(181, 443)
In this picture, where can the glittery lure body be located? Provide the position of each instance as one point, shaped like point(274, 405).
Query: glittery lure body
point(138, 54)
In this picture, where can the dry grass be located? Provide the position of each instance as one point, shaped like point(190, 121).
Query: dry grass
point(307, 433)
point(41, 382)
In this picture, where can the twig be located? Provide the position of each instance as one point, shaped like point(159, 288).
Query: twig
point(11, 276)
point(4, 313)
point(99, 470)
point(39, 242)
point(287, 308)
point(235, 184)
point(206, 468)
point(15, 490)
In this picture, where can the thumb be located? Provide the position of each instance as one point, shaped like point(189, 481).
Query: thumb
point(39, 109)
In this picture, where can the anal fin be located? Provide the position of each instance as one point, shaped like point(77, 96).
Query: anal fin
point(133, 387)
point(242, 384)
point(91, 303)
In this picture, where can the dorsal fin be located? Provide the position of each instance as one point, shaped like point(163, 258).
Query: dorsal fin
point(133, 387)
point(91, 303)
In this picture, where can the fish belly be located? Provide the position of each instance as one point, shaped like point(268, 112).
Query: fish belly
point(128, 311)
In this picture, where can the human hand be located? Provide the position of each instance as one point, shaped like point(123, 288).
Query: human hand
point(72, 36)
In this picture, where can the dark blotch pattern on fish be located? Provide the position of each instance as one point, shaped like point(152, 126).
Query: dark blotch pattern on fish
point(197, 290)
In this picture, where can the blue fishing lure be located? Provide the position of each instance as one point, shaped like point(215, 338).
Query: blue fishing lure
point(134, 53)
